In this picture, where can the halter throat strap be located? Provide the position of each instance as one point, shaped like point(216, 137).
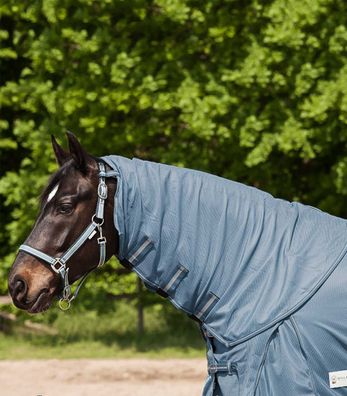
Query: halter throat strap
point(58, 264)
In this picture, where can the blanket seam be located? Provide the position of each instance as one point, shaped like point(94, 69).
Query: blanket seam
point(298, 335)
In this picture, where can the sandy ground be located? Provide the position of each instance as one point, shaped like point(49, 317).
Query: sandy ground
point(133, 377)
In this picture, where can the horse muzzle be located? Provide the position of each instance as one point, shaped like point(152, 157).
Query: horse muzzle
point(36, 303)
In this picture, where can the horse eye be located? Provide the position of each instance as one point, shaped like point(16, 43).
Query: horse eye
point(65, 209)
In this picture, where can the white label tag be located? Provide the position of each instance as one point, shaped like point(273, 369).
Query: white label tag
point(92, 234)
point(338, 379)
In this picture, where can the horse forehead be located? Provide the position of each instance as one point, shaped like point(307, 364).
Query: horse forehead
point(69, 185)
point(53, 192)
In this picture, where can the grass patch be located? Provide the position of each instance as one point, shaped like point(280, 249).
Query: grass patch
point(108, 334)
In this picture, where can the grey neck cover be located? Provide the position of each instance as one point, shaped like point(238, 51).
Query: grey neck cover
point(232, 256)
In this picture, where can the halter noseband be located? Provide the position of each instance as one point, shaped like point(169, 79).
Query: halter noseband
point(58, 264)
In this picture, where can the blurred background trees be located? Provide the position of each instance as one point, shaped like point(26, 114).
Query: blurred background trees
point(254, 91)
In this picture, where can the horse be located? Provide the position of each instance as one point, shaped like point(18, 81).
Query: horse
point(263, 277)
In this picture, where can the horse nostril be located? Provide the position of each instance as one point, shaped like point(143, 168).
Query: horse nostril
point(19, 286)
point(20, 290)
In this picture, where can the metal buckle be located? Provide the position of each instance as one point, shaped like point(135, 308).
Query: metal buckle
point(60, 263)
point(102, 190)
point(225, 367)
point(101, 240)
point(212, 369)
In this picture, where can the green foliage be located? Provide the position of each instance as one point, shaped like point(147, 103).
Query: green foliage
point(255, 91)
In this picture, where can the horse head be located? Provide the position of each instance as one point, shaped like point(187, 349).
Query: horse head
point(43, 268)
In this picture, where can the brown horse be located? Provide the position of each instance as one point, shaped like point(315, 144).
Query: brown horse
point(265, 278)
point(67, 206)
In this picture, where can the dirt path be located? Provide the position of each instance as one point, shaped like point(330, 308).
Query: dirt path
point(133, 377)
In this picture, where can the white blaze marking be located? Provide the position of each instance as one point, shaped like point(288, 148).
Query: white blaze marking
point(52, 193)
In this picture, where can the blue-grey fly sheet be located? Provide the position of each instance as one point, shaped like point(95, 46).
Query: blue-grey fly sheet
point(264, 277)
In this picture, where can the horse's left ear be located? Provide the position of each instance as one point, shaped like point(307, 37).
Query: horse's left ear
point(78, 153)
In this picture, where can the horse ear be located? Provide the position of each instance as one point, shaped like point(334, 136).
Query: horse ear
point(60, 154)
point(77, 152)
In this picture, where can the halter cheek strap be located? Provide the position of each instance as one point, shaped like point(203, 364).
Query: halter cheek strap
point(58, 264)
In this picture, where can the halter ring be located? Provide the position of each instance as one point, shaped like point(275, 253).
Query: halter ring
point(98, 224)
point(64, 305)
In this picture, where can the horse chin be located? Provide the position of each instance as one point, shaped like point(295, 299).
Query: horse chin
point(41, 304)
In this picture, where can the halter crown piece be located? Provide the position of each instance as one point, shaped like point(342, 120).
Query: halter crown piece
point(58, 264)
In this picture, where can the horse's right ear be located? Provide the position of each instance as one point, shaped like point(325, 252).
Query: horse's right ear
point(77, 152)
point(60, 154)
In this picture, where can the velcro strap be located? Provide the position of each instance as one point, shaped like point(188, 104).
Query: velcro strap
point(206, 305)
point(175, 279)
point(140, 252)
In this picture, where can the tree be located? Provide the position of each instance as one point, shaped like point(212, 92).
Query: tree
point(251, 91)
